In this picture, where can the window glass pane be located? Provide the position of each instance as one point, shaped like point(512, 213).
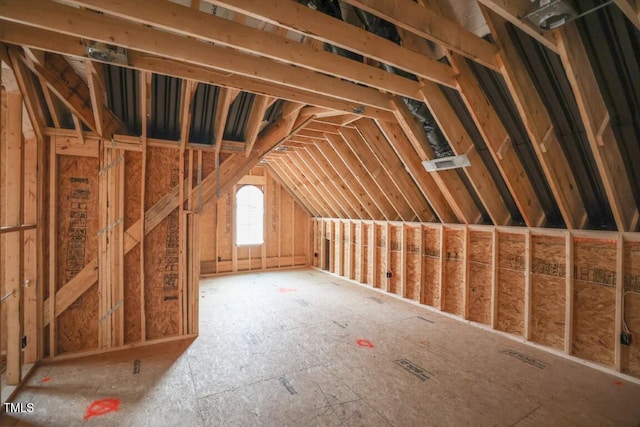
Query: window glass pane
point(249, 216)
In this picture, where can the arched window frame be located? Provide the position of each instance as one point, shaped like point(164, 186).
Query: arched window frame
point(249, 231)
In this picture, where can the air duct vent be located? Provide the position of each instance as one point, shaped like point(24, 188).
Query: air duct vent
point(106, 53)
point(445, 163)
point(549, 14)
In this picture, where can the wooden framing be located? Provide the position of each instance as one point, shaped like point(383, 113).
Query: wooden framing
point(595, 117)
point(539, 126)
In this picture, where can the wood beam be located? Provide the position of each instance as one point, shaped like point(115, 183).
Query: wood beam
point(424, 180)
point(381, 147)
point(255, 121)
point(630, 10)
point(343, 170)
point(362, 176)
point(226, 97)
point(597, 123)
point(461, 143)
point(304, 184)
point(513, 11)
point(19, 34)
point(301, 19)
point(539, 127)
point(86, 24)
point(223, 32)
point(276, 175)
point(449, 182)
point(340, 181)
point(29, 93)
point(295, 184)
point(378, 173)
point(429, 25)
point(499, 144)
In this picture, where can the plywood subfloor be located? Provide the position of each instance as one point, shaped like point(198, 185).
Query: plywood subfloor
point(287, 349)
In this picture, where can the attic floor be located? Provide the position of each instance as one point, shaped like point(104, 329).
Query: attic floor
point(287, 349)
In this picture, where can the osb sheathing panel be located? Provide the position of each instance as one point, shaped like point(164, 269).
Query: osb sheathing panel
point(594, 300)
point(77, 244)
point(431, 266)
point(381, 256)
point(347, 257)
point(272, 226)
point(132, 285)
point(548, 290)
point(395, 261)
point(631, 354)
point(454, 265)
point(480, 276)
point(367, 248)
point(286, 222)
point(301, 228)
point(224, 233)
point(511, 264)
point(208, 238)
point(162, 299)
point(358, 252)
point(413, 261)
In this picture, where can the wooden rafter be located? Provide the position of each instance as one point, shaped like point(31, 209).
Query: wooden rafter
point(597, 123)
point(286, 182)
point(86, 24)
point(19, 34)
point(429, 25)
point(338, 163)
point(381, 147)
point(299, 18)
point(512, 11)
point(255, 121)
point(449, 182)
point(539, 126)
point(631, 9)
point(223, 32)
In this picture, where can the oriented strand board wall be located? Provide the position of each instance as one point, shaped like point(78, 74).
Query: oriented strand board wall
point(511, 262)
point(162, 298)
point(431, 266)
point(454, 265)
point(367, 277)
point(380, 265)
point(288, 234)
point(480, 276)
point(631, 354)
point(395, 259)
point(413, 262)
point(132, 266)
point(77, 243)
point(548, 290)
point(594, 300)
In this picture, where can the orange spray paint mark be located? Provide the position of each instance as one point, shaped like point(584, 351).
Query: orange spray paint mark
point(45, 379)
point(286, 290)
point(364, 343)
point(101, 407)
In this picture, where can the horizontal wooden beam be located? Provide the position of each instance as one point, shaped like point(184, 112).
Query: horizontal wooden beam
point(90, 25)
point(19, 34)
point(299, 18)
point(429, 25)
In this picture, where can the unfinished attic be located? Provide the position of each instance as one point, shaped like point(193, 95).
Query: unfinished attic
point(320, 212)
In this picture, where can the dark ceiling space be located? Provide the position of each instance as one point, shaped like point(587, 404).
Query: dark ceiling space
point(122, 96)
point(549, 77)
point(496, 91)
point(203, 114)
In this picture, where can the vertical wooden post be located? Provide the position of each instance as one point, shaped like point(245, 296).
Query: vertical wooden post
point(441, 276)
point(403, 261)
point(31, 243)
point(145, 112)
point(569, 297)
point(527, 285)
point(53, 243)
point(373, 247)
point(421, 266)
point(619, 301)
point(323, 243)
point(465, 277)
point(494, 279)
point(13, 253)
point(387, 251)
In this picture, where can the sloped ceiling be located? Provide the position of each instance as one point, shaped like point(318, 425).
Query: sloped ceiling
point(549, 121)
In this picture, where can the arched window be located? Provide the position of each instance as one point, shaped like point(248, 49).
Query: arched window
point(249, 216)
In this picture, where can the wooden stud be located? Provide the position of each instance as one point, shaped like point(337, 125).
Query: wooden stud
point(49, 317)
point(619, 318)
point(403, 261)
point(593, 110)
point(569, 295)
point(373, 248)
point(528, 254)
point(442, 275)
point(494, 279)
point(466, 273)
